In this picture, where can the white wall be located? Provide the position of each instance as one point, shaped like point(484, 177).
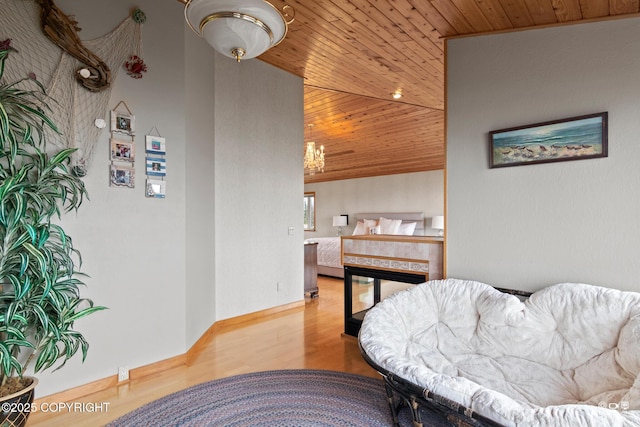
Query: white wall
point(133, 247)
point(531, 226)
point(259, 186)
point(411, 192)
point(217, 245)
point(200, 191)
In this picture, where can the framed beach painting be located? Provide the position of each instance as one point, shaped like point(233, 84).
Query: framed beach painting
point(575, 138)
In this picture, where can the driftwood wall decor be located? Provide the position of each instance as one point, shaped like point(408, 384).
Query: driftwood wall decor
point(79, 75)
point(63, 31)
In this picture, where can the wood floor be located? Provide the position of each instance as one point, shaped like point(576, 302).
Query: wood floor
point(308, 337)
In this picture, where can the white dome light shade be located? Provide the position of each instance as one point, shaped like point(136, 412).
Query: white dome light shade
point(238, 29)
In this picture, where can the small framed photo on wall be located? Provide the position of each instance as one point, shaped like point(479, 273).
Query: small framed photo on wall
point(122, 122)
point(122, 176)
point(155, 145)
point(156, 188)
point(156, 166)
point(124, 151)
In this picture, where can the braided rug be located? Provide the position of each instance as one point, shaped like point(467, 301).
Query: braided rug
point(287, 398)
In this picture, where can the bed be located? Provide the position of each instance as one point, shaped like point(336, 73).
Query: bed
point(329, 247)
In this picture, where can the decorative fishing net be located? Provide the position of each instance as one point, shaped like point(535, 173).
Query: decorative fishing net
point(75, 108)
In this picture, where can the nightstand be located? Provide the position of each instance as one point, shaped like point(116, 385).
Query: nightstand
point(311, 268)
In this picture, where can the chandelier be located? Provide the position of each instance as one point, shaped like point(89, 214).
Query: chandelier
point(240, 29)
point(313, 159)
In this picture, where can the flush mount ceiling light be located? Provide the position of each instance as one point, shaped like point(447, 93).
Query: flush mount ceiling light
point(241, 29)
point(397, 94)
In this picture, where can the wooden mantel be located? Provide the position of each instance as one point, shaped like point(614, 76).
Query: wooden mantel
point(405, 254)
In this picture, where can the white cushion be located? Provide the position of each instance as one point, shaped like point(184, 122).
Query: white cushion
point(359, 229)
point(363, 226)
point(407, 228)
point(551, 360)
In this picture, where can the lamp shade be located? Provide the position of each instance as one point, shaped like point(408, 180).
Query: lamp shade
point(339, 220)
point(437, 222)
point(240, 29)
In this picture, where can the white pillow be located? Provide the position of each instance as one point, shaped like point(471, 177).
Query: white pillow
point(363, 226)
point(407, 228)
point(359, 229)
point(389, 226)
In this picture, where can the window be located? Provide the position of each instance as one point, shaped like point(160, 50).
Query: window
point(310, 211)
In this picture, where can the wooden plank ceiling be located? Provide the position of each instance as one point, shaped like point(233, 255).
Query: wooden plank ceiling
point(354, 54)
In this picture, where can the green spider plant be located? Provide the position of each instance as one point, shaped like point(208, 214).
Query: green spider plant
point(39, 285)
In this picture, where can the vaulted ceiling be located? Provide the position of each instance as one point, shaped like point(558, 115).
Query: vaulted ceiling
point(354, 54)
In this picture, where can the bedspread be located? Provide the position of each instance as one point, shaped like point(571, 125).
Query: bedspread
point(328, 251)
